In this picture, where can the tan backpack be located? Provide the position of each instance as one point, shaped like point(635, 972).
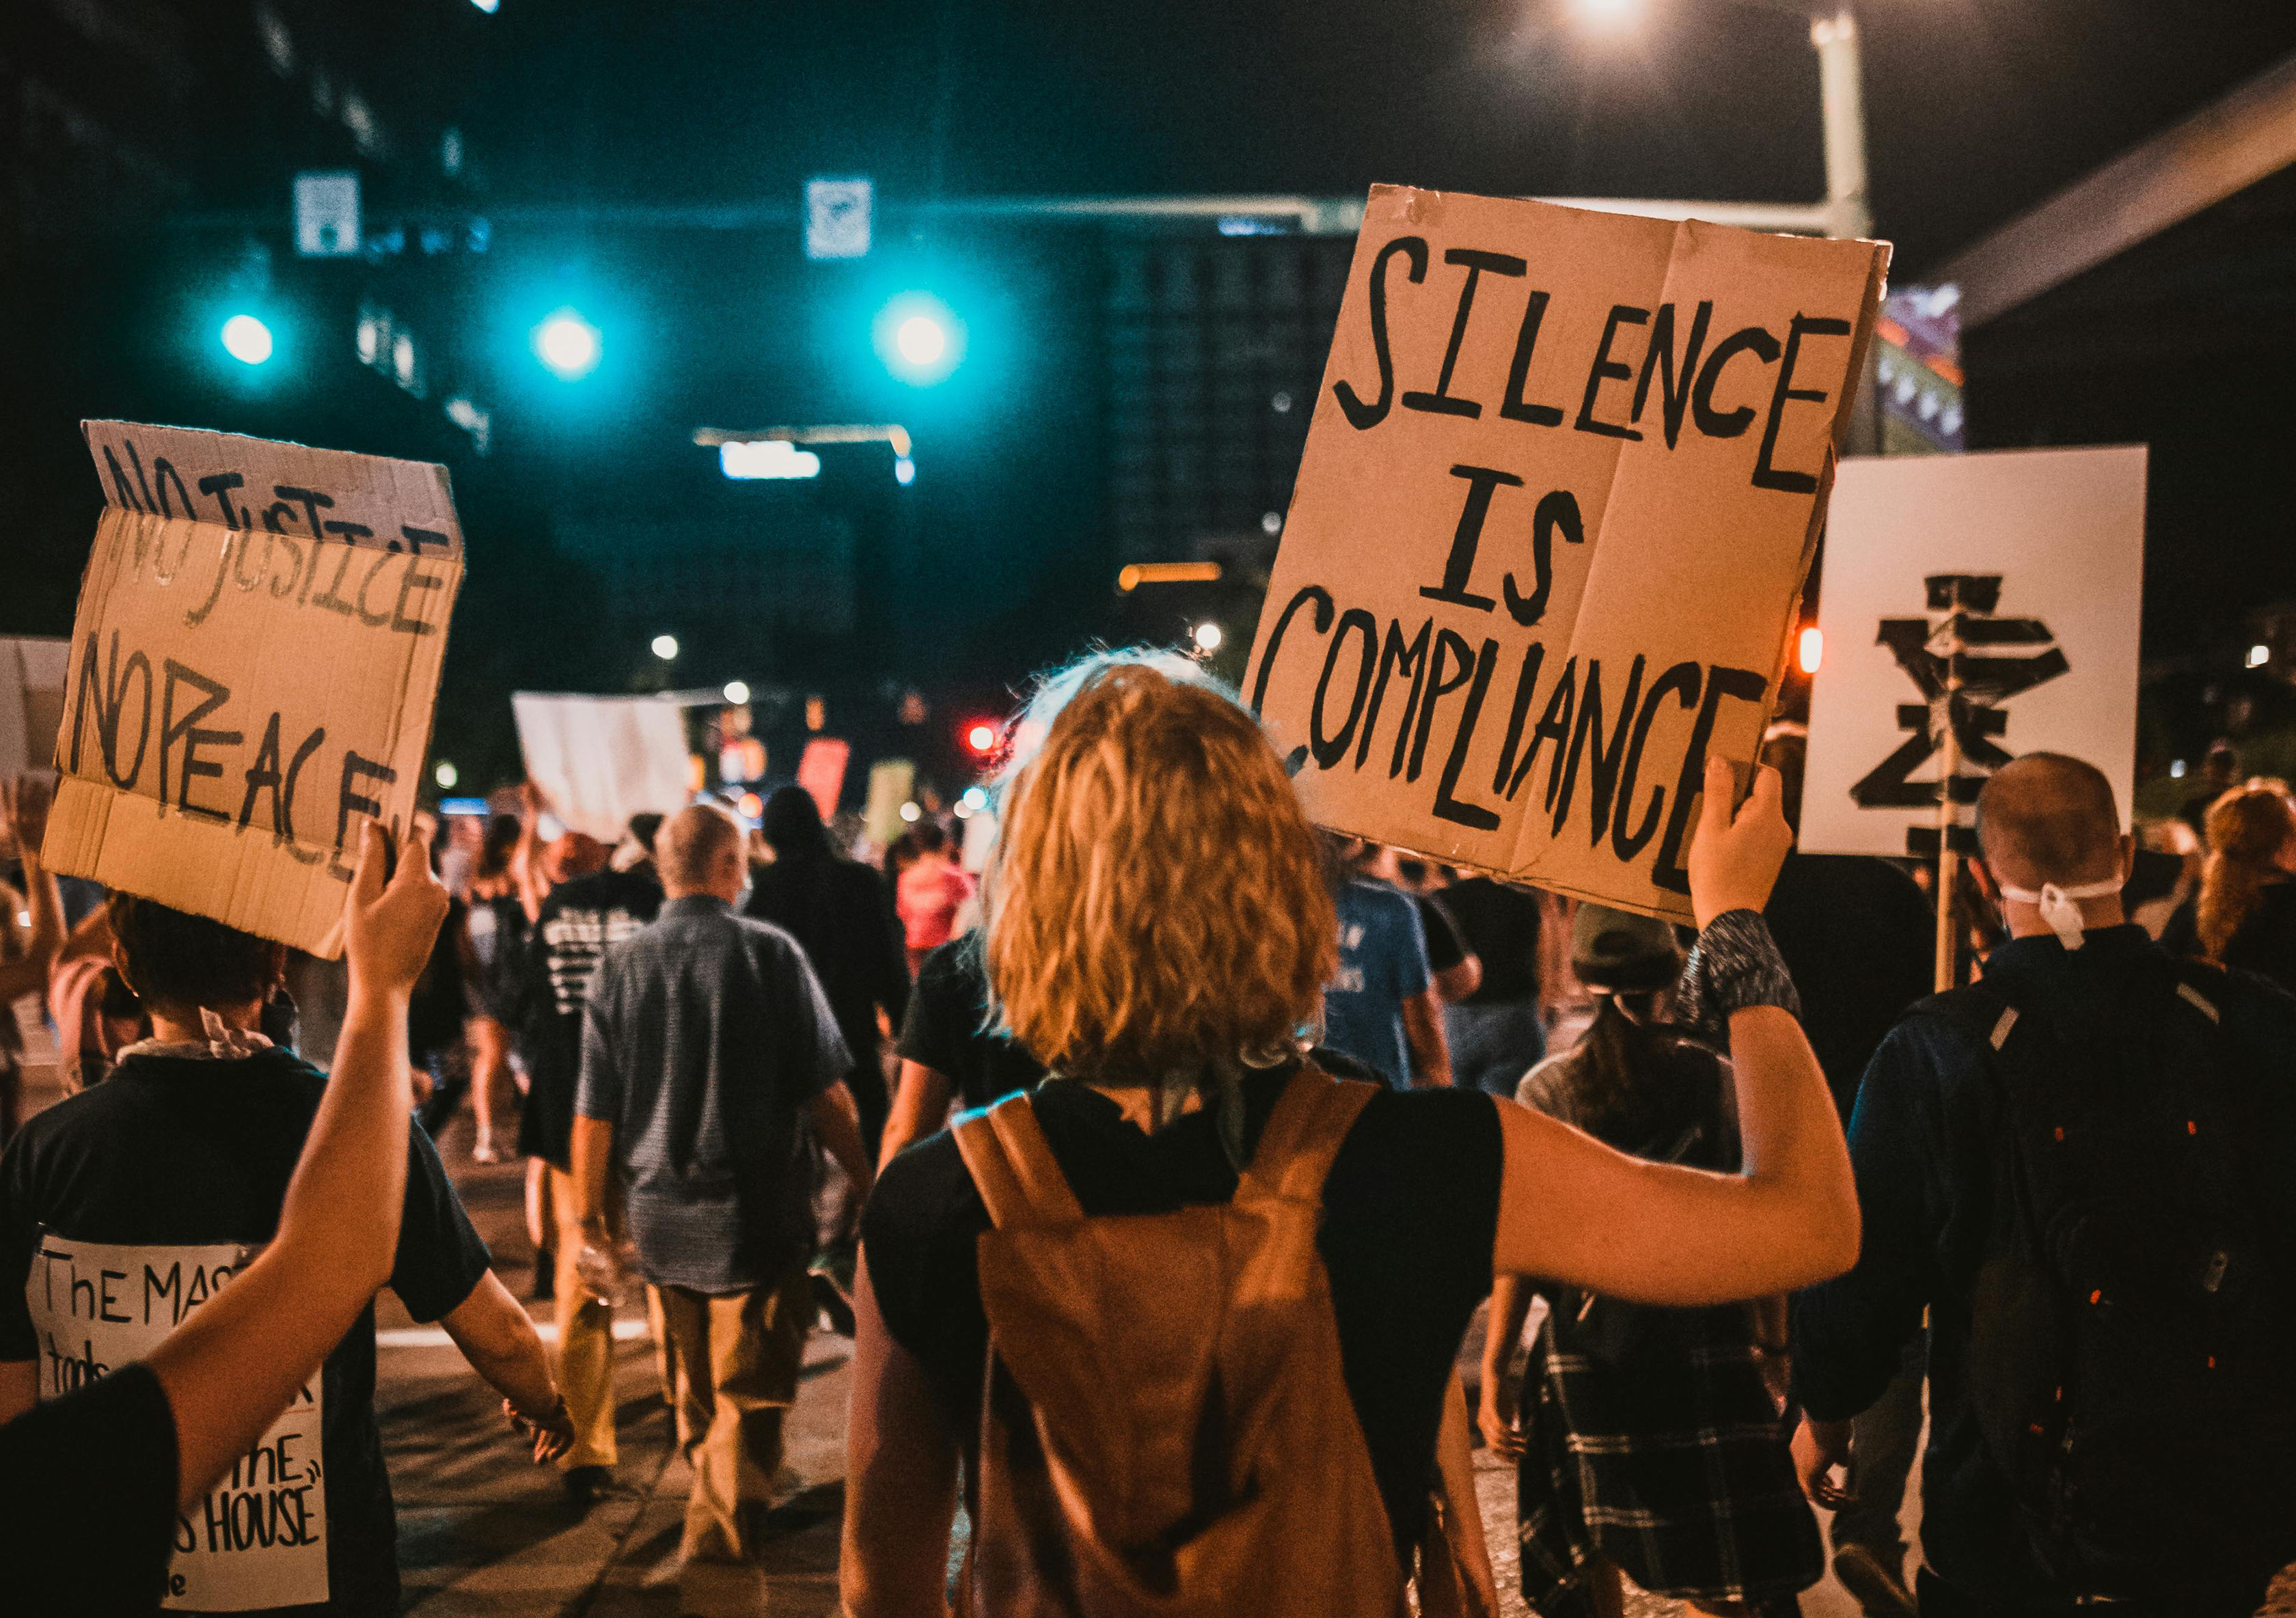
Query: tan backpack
point(1165, 1430)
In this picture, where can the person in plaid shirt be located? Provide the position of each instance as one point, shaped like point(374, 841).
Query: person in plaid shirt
point(1652, 1442)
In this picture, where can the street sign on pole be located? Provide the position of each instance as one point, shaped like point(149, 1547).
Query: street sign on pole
point(326, 215)
point(837, 218)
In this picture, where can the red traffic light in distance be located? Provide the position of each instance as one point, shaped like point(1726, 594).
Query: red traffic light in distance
point(981, 737)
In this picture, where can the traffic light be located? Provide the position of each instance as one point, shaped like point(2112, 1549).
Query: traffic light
point(980, 738)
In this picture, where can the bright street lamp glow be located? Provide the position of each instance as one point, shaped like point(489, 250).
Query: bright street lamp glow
point(911, 813)
point(2259, 655)
point(665, 647)
point(488, 6)
point(921, 340)
point(737, 692)
point(752, 458)
point(1207, 636)
point(973, 798)
point(446, 774)
point(904, 470)
point(568, 345)
point(247, 339)
point(1607, 13)
point(981, 737)
point(1809, 649)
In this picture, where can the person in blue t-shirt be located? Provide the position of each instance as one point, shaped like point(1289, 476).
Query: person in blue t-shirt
point(1382, 1008)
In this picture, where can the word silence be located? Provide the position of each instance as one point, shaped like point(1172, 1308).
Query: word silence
point(252, 672)
point(1558, 499)
point(258, 1539)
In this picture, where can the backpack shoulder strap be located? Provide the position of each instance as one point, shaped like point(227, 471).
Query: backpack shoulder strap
point(1304, 1132)
point(1012, 1166)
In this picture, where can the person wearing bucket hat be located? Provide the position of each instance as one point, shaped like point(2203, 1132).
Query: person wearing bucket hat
point(1617, 1395)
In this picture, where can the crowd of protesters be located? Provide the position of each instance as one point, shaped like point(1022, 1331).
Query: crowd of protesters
point(1753, 1208)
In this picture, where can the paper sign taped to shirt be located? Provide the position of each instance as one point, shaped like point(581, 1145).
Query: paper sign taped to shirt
point(258, 1539)
point(1559, 495)
point(31, 702)
point(253, 669)
point(600, 760)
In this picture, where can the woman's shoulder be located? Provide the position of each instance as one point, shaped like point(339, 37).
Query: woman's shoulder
point(925, 1195)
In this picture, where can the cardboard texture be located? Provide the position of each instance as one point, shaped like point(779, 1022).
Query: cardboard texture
point(1561, 488)
point(600, 760)
point(2033, 561)
point(253, 669)
point(31, 703)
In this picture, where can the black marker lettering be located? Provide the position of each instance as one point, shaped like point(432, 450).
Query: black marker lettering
point(1605, 369)
point(1525, 682)
point(1412, 659)
point(285, 828)
point(1674, 389)
point(417, 537)
point(1558, 508)
point(198, 615)
point(374, 620)
point(1728, 424)
point(112, 702)
point(187, 730)
point(1516, 407)
point(328, 598)
point(1681, 681)
point(282, 588)
point(351, 801)
point(1451, 649)
point(1330, 751)
point(1320, 596)
point(219, 484)
point(1361, 416)
point(311, 500)
point(1448, 807)
point(1767, 476)
point(1603, 769)
point(120, 486)
point(1441, 402)
point(1459, 566)
point(1553, 726)
point(163, 469)
point(1747, 686)
point(416, 582)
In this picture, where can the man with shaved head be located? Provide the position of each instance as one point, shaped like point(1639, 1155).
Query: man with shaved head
point(706, 1047)
point(2078, 1168)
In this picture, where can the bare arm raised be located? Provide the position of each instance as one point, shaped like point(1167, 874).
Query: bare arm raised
point(1574, 1210)
point(232, 1366)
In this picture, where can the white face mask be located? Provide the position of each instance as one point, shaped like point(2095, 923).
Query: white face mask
point(2059, 908)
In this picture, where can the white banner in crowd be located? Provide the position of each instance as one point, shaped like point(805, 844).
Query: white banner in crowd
point(31, 703)
point(258, 1539)
point(2034, 561)
point(600, 760)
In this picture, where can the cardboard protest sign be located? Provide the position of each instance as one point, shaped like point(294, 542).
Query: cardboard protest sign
point(31, 703)
point(1559, 494)
point(253, 667)
point(2020, 575)
point(821, 771)
point(600, 760)
point(258, 1538)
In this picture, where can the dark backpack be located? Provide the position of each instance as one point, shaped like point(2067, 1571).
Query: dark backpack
point(2133, 1349)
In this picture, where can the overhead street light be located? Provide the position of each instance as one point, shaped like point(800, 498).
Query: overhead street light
point(247, 339)
point(665, 647)
point(920, 339)
point(568, 345)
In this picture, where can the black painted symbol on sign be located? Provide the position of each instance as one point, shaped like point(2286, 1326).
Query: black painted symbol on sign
point(1988, 660)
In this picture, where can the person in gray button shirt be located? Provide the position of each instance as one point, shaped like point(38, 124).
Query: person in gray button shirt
point(707, 1048)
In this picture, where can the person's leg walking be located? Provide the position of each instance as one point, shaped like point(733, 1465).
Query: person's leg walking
point(1883, 1442)
point(757, 1352)
point(585, 1339)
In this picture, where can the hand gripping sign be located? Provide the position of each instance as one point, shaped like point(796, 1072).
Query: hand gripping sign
point(252, 672)
point(1559, 495)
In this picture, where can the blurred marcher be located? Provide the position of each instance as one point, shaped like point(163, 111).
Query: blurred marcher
point(950, 1048)
point(2219, 773)
point(2167, 874)
point(930, 891)
point(91, 1484)
point(1226, 1398)
point(2077, 1168)
point(1498, 1034)
point(580, 920)
point(2244, 913)
point(494, 927)
point(634, 851)
point(26, 957)
point(1860, 938)
point(1382, 1007)
point(1451, 960)
point(97, 1017)
point(1650, 1441)
point(706, 1043)
point(191, 1141)
point(840, 913)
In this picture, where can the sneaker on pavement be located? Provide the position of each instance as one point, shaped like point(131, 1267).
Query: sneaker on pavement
point(1876, 1591)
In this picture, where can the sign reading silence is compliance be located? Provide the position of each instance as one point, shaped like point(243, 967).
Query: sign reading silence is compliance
point(1560, 489)
point(253, 667)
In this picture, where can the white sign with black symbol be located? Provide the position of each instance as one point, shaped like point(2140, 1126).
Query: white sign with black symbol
point(258, 1538)
point(326, 215)
point(837, 218)
point(1998, 592)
